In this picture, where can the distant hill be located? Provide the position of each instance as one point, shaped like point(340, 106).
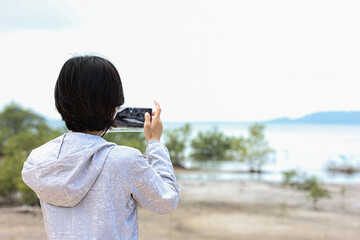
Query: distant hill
point(339, 117)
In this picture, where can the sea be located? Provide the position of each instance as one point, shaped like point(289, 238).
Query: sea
point(307, 148)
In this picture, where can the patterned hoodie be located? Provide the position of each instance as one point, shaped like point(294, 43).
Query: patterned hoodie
point(89, 188)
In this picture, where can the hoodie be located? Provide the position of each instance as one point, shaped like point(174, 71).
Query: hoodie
point(90, 188)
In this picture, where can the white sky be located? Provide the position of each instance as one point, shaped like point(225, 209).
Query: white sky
point(201, 59)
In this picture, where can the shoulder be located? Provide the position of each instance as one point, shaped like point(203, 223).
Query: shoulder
point(126, 158)
point(124, 152)
point(50, 145)
point(46, 151)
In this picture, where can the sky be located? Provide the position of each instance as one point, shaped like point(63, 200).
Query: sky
point(202, 60)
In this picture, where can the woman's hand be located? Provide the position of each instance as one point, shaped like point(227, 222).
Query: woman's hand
point(153, 128)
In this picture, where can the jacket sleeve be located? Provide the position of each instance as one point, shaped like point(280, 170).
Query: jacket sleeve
point(152, 180)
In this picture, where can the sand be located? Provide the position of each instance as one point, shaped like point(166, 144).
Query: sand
point(218, 210)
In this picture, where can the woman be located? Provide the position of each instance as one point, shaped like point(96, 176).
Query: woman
point(89, 188)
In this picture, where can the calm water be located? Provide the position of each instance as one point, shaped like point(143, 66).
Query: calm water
point(305, 147)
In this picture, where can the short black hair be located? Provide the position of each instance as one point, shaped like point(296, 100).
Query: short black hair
point(87, 92)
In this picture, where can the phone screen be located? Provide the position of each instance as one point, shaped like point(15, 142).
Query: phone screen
point(131, 117)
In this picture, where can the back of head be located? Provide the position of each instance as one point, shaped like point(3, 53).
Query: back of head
point(87, 92)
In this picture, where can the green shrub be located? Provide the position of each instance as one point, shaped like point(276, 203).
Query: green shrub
point(311, 184)
point(210, 145)
point(317, 191)
point(289, 178)
point(253, 150)
point(176, 142)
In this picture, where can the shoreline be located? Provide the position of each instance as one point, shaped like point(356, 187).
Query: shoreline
point(182, 172)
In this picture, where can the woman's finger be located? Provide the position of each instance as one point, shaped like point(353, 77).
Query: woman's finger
point(147, 119)
point(158, 109)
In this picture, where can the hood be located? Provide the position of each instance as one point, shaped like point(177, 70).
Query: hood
point(62, 171)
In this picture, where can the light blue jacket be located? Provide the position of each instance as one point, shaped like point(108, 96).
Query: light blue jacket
point(89, 188)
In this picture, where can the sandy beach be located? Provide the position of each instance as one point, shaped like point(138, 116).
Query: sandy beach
point(217, 210)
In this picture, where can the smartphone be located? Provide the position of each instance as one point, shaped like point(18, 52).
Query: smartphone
point(130, 119)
